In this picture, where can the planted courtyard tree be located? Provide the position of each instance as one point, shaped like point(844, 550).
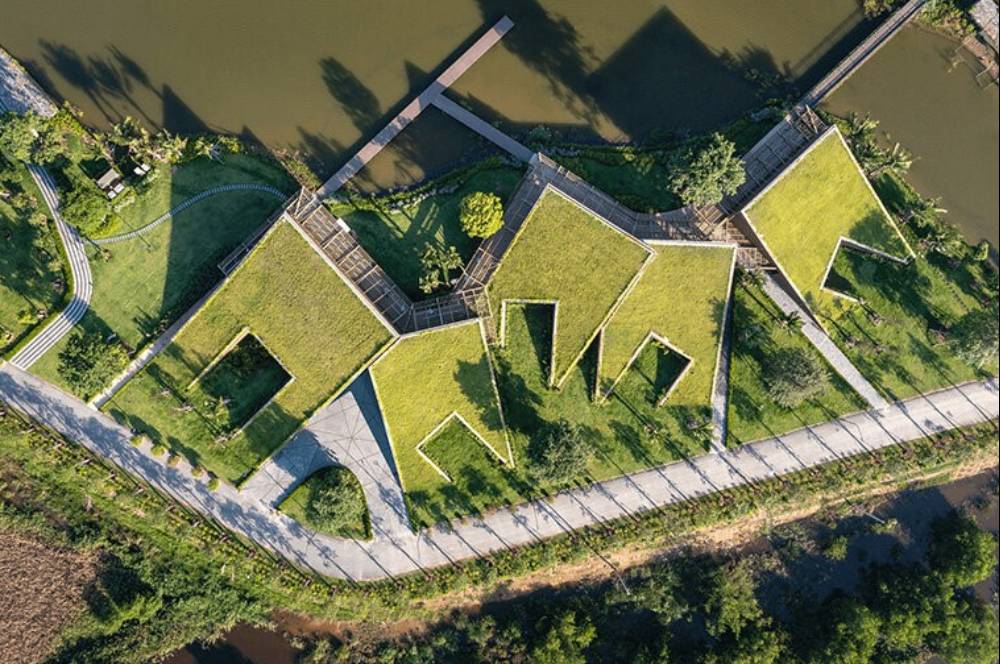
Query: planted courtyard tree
point(976, 337)
point(704, 176)
point(86, 209)
point(560, 453)
point(89, 362)
point(481, 214)
point(793, 375)
point(438, 264)
point(336, 504)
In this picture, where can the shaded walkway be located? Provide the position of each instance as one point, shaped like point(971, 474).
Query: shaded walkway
point(818, 338)
point(82, 283)
point(394, 554)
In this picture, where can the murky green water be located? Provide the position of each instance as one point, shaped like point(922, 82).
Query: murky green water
point(931, 103)
point(322, 77)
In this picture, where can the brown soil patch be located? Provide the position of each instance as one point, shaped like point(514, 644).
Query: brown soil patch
point(42, 589)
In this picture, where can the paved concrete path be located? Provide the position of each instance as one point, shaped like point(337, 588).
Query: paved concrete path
point(824, 344)
point(416, 107)
point(349, 432)
point(197, 198)
point(82, 284)
point(483, 128)
point(395, 554)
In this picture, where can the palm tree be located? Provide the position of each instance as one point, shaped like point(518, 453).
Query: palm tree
point(167, 147)
point(924, 211)
point(896, 161)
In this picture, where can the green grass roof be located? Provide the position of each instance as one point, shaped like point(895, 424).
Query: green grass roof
point(426, 378)
point(680, 297)
point(565, 254)
point(306, 316)
point(822, 198)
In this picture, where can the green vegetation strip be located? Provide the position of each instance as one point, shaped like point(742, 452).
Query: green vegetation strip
point(564, 254)
point(306, 317)
point(803, 215)
point(308, 504)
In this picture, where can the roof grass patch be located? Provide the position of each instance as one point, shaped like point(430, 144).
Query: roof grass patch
point(679, 304)
point(565, 254)
point(821, 200)
point(428, 381)
point(301, 311)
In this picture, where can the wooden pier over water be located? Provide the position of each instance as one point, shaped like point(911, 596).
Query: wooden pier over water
point(416, 107)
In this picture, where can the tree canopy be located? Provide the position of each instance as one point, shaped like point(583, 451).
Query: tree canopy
point(706, 175)
point(481, 214)
point(793, 375)
point(560, 452)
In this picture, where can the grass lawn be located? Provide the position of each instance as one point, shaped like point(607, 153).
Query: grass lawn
point(308, 319)
point(395, 236)
point(563, 253)
point(804, 214)
point(752, 413)
point(895, 339)
point(297, 502)
point(173, 186)
point(422, 381)
point(32, 281)
point(148, 282)
point(681, 297)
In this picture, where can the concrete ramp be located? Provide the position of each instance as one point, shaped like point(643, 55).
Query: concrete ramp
point(349, 432)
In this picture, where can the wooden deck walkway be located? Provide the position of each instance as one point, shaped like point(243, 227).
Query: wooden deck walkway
point(335, 240)
point(483, 128)
point(416, 107)
point(865, 50)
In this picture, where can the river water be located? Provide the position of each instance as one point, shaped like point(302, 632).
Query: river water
point(322, 77)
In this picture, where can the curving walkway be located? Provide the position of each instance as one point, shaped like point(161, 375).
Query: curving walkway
point(82, 283)
point(197, 198)
point(390, 554)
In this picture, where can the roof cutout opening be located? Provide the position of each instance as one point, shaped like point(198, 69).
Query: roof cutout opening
point(654, 373)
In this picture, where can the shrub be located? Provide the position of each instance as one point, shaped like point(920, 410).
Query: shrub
point(213, 483)
point(197, 471)
point(481, 214)
point(158, 450)
point(437, 265)
point(88, 362)
point(173, 459)
point(836, 548)
point(337, 503)
point(793, 375)
point(87, 209)
point(560, 453)
point(976, 336)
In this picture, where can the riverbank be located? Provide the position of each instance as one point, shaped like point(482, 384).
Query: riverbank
point(909, 507)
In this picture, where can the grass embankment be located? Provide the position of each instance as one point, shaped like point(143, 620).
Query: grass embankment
point(804, 214)
point(423, 381)
point(296, 504)
point(563, 254)
point(147, 282)
point(757, 334)
point(302, 312)
point(680, 297)
point(898, 338)
point(32, 277)
point(395, 228)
